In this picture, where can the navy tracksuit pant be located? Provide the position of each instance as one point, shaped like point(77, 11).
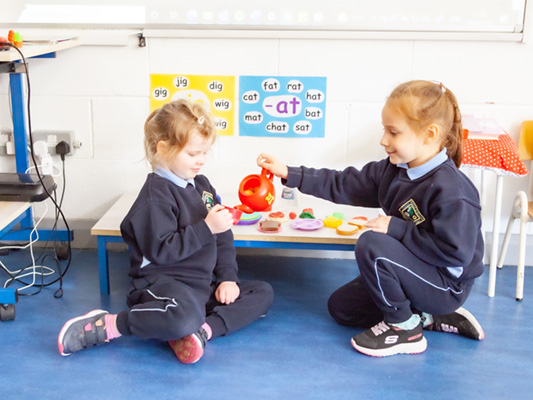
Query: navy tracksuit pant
point(393, 283)
point(164, 308)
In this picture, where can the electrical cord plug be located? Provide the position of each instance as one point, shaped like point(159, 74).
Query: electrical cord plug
point(62, 148)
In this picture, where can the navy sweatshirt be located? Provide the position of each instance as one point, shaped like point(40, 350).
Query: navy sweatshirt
point(436, 216)
point(167, 234)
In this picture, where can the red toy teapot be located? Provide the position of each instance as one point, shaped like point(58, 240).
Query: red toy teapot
point(256, 192)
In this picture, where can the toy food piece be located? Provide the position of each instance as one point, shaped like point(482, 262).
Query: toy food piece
point(358, 221)
point(249, 219)
point(277, 216)
point(307, 213)
point(17, 40)
point(269, 226)
point(332, 222)
point(307, 224)
point(292, 215)
point(347, 229)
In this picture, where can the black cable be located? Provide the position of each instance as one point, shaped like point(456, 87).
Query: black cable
point(57, 206)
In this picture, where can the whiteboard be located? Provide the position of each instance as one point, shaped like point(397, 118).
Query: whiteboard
point(493, 16)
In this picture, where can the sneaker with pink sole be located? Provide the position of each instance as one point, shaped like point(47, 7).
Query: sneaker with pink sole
point(82, 332)
point(386, 340)
point(460, 322)
point(190, 349)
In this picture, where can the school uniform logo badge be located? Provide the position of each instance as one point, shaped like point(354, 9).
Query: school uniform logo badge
point(208, 200)
point(411, 213)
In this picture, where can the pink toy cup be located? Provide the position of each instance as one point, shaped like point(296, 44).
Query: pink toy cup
point(236, 214)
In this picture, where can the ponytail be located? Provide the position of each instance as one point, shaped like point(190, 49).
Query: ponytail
point(454, 140)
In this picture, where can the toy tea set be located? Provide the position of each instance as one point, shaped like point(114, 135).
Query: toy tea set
point(257, 195)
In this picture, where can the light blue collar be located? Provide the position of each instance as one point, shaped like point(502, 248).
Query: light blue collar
point(421, 170)
point(165, 173)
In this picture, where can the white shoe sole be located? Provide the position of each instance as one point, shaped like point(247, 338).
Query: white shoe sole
point(68, 325)
point(404, 348)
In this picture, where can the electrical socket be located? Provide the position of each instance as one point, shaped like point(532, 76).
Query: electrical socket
point(4, 139)
point(52, 138)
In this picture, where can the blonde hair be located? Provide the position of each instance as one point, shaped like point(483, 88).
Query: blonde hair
point(424, 103)
point(173, 124)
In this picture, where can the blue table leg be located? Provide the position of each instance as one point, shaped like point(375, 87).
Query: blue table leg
point(103, 260)
point(103, 264)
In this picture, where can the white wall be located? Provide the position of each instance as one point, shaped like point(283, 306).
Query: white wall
point(102, 93)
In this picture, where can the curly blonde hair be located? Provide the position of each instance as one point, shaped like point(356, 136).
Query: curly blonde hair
point(173, 124)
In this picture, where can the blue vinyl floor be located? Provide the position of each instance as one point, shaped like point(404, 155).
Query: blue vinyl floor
point(296, 352)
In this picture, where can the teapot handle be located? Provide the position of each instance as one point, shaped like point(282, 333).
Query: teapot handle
point(268, 174)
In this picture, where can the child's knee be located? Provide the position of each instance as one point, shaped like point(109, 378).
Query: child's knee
point(335, 305)
point(267, 293)
point(371, 245)
point(259, 293)
point(184, 325)
point(365, 248)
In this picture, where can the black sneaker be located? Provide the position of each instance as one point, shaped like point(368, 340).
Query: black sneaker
point(82, 332)
point(461, 322)
point(190, 349)
point(386, 340)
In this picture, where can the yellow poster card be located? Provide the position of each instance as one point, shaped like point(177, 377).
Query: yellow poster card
point(215, 92)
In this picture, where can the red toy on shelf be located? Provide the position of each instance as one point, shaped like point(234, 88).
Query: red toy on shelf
point(3, 47)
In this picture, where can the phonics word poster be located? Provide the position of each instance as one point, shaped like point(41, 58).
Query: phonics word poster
point(282, 106)
point(217, 93)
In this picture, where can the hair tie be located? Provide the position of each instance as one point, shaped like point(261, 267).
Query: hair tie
point(201, 120)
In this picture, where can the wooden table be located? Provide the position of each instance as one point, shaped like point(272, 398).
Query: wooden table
point(10, 212)
point(107, 230)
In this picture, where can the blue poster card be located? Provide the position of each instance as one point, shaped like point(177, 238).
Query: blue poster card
point(282, 106)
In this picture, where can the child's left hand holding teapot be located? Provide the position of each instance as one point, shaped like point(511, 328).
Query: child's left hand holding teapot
point(272, 164)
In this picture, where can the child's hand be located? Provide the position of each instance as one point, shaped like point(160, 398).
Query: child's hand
point(379, 224)
point(219, 219)
point(227, 292)
point(273, 165)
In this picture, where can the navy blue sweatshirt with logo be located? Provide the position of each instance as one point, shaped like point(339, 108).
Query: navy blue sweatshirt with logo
point(437, 216)
point(167, 234)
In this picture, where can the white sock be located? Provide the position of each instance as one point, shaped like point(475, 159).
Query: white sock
point(410, 324)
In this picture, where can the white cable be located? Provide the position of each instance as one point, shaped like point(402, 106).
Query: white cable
point(34, 273)
point(34, 230)
point(56, 175)
point(23, 269)
point(30, 245)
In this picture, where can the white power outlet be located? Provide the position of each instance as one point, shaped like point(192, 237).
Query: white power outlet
point(50, 137)
point(53, 138)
